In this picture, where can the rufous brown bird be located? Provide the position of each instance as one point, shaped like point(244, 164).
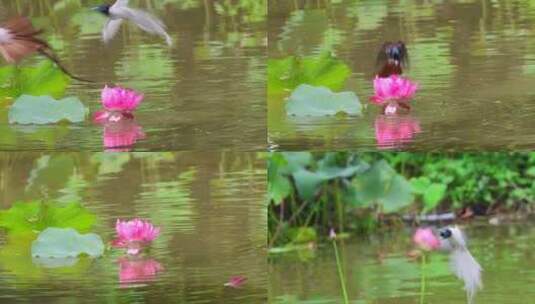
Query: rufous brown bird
point(392, 58)
point(18, 40)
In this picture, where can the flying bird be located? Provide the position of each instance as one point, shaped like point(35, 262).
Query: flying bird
point(18, 40)
point(392, 58)
point(462, 263)
point(119, 11)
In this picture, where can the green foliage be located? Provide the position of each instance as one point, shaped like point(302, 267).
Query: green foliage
point(468, 179)
point(322, 188)
point(43, 79)
point(430, 193)
point(288, 73)
point(46, 110)
point(302, 235)
point(381, 184)
point(66, 243)
point(307, 100)
point(23, 218)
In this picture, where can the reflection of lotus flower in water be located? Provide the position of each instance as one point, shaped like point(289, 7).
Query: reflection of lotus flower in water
point(391, 131)
point(121, 136)
point(134, 234)
point(119, 103)
point(393, 92)
point(425, 239)
point(136, 271)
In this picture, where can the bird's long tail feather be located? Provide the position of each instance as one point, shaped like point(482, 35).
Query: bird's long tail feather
point(466, 268)
point(50, 55)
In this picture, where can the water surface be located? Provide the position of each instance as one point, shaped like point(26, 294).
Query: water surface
point(206, 92)
point(473, 59)
point(210, 207)
point(378, 270)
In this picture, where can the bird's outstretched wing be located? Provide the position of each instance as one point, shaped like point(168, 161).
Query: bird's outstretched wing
point(110, 29)
point(145, 21)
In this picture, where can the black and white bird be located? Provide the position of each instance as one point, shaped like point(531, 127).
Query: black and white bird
point(462, 263)
point(119, 12)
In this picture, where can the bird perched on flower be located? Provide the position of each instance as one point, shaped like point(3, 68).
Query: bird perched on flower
point(392, 58)
point(18, 40)
point(119, 12)
point(134, 235)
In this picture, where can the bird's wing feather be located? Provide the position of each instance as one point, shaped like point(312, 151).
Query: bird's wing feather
point(145, 21)
point(110, 29)
point(120, 3)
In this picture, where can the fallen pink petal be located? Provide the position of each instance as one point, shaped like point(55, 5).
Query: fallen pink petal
point(236, 282)
point(137, 271)
point(425, 239)
point(134, 235)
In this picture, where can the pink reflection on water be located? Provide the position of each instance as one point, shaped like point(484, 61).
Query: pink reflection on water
point(392, 131)
point(133, 270)
point(122, 136)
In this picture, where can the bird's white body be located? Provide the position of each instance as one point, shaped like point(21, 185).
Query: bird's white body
point(5, 35)
point(120, 11)
point(462, 263)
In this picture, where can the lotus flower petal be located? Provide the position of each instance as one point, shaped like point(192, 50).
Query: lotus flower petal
point(393, 88)
point(134, 234)
point(120, 99)
point(426, 239)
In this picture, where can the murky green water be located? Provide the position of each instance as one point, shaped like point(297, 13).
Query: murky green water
point(210, 207)
point(206, 92)
point(378, 270)
point(473, 59)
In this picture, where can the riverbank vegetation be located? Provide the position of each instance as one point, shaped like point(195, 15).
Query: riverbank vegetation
point(311, 193)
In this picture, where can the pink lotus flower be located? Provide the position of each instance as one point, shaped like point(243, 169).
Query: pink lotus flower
point(136, 271)
point(121, 136)
point(426, 239)
point(134, 234)
point(119, 103)
point(393, 92)
point(392, 131)
point(236, 282)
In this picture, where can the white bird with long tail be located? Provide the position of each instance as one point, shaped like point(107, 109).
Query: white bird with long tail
point(119, 12)
point(462, 263)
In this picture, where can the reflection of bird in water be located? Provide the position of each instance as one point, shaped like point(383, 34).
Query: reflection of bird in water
point(18, 39)
point(119, 11)
point(392, 58)
point(462, 263)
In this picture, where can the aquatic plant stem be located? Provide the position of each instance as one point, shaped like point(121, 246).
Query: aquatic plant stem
point(340, 272)
point(422, 279)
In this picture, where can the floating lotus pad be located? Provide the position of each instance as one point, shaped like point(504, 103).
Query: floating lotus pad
point(308, 100)
point(42, 110)
point(64, 243)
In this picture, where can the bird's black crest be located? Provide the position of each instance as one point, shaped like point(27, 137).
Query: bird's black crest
point(104, 8)
point(446, 233)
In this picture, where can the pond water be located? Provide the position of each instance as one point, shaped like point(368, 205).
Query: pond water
point(206, 92)
point(377, 270)
point(210, 207)
point(473, 60)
